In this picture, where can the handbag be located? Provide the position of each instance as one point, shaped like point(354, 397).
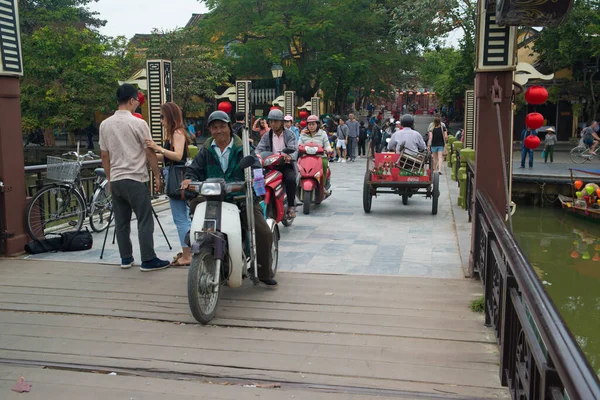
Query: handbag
point(176, 174)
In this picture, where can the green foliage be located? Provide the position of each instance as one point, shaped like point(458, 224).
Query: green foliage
point(334, 46)
point(478, 305)
point(70, 70)
point(576, 43)
point(195, 70)
point(449, 71)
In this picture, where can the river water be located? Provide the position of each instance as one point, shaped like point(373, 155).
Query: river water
point(565, 252)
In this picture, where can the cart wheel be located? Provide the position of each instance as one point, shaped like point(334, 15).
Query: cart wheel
point(436, 193)
point(405, 198)
point(367, 197)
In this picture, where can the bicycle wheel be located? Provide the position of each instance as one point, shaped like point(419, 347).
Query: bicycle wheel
point(54, 209)
point(580, 155)
point(100, 209)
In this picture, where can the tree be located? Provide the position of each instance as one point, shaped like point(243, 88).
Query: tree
point(334, 46)
point(70, 70)
point(196, 73)
point(576, 43)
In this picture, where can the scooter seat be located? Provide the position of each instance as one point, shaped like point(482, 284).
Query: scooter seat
point(100, 172)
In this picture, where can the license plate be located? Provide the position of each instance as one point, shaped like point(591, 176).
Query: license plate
point(412, 179)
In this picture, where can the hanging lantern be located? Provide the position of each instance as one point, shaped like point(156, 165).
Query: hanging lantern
point(410, 93)
point(531, 142)
point(534, 120)
point(141, 98)
point(303, 114)
point(225, 106)
point(536, 95)
point(303, 123)
point(418, 93)
point(138, 115)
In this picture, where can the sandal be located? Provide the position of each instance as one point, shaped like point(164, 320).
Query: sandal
point(176, 263)
point(177, 257)
point(291, 213)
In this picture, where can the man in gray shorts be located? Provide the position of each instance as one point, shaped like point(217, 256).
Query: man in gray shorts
point(124, 156)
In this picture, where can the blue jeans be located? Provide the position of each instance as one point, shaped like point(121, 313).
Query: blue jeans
point(524, 152)
point(181, 215)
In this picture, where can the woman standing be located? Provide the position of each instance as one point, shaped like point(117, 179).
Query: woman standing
point(436, 143)
point(175, 152)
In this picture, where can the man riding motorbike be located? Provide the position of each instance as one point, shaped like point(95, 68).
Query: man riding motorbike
point(276, 140)
point(317, 136)
point(220, 158)
point(411, 139)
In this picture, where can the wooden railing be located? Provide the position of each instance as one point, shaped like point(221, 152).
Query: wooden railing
point(539, 358)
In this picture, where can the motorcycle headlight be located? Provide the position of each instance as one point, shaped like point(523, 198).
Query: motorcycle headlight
point(211, 189)
point(311, 150)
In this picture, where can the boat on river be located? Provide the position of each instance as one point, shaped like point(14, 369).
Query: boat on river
point(584, 203)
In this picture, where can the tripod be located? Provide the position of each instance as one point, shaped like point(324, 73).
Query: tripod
point(110, 220)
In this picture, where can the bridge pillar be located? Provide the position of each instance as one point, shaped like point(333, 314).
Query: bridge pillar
point(12, 166)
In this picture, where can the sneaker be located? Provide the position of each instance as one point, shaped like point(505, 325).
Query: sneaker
point(126, 262)
point(343, 160)
point(154, 265)
point(269, 282)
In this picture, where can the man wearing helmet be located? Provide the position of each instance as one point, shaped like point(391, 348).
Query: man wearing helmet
point(407, 136)
point(281, 140)
point(220, 158)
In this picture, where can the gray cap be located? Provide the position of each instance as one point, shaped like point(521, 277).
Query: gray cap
point(275, 115)
point(218, 116)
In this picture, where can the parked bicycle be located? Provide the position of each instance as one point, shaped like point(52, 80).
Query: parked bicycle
point(581, 153)
point(61, 204)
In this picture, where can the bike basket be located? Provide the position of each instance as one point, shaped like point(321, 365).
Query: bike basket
point(62, 170)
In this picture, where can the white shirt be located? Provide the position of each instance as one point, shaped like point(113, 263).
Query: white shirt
point(278, 143)
point(223, 155)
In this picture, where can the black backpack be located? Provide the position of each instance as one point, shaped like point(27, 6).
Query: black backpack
point(362, 135)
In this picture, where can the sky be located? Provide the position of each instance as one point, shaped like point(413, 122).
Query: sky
point(126, 18)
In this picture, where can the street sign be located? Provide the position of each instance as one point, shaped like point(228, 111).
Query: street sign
point(496, 44)
point(11, 62)
point(242, 100)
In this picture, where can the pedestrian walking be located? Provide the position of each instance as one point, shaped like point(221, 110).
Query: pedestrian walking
point(175, 152)
point(436, 143)
point(124, 156)
point(550, 141)
point(353, 133)
point(524, 150)
point(342, 136)
point(362, 139)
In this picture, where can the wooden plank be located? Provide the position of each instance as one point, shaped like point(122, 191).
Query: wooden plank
point(250, 376)
point(399, 310)
point(17, 322)
point(233, 312)
point(59, 385)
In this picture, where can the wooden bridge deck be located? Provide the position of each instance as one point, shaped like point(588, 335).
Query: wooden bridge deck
point(66, 326)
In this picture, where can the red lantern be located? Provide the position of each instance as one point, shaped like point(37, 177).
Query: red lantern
point(303, 123)
point(532, 142)
point(534, 120)
point(303, 114)
point(225, 106)
point(138, 115)
point(536, 95)
point(141, 98)
point(273, 108)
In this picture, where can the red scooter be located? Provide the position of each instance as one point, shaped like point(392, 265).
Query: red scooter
point(311, 188)
point(275, 198)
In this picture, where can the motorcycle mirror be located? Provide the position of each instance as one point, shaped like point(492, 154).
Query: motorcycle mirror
point(247, 161)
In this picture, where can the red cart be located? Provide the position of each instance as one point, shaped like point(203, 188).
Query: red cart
point(405, 174)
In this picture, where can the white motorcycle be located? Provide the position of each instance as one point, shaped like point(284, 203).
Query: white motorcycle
point(223, 248)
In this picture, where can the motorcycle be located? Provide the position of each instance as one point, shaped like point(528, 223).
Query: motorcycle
point(311, 188)
point(223, 248)
point(35, 137)
point(275, 198)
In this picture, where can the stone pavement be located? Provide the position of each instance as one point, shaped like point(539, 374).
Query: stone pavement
point(338, 237)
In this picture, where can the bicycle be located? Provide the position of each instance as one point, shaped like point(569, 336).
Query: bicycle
point(581, 153)
point(62, 204)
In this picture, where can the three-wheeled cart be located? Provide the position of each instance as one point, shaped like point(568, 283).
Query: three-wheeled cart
point(405, 173)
